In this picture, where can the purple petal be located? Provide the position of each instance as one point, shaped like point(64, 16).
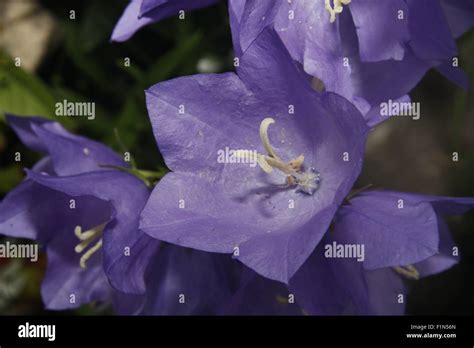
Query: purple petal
point(431, 38)
point(442, 205)
point(387, 292)
point(26, 211)
point(149, 5)
point(22, 125)
point(335, 286)
point(129, 23)
point(316, 43)
point(71, 154)
point(259, 296)
point(236, 10)
point(459, 14)
point(391, 235)
point(127, 304)
point(221, 111)
point(445, 258)
point(66, 284)
point(127, 196)
point(320, 286)
point(140, 13)
point(256, 16)
point(380, 81)
point(202, 281)
point(374, 116)
point(389, 38)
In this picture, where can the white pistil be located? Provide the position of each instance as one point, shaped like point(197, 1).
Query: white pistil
point(336, 8)
point(86, 239)
point(408, 271)
point(307, 182)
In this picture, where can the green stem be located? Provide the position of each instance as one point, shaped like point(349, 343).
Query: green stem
point(355, 192)
point(147, 176)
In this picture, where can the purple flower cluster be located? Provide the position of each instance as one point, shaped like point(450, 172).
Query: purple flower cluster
point(277, 228)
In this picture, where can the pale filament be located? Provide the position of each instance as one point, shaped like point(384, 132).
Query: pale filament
point(272, 160)
point(306, 182)
point(408, 271)
point(86, 239)
point(336, 8)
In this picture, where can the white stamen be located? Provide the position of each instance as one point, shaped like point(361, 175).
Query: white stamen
point(84, 235)
point(408, 271)
point(86, 239)
point(297, 162)
point(262, 162)
point(279, 164)
point(86, 151)
point(336, 8)
point(264, 136)
point(307, 182)
point(79, 248)
point(89, 253)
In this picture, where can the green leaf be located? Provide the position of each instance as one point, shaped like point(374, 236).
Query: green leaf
point(84, 60)
point(167, 64)
point(10, 177)
point(22, 93)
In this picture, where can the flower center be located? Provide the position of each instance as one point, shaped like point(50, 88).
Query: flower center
point(336, 8)
point(305, 181)
point(86, 238)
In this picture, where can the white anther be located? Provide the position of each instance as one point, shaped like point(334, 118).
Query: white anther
point(336, 8)
point(297, 162)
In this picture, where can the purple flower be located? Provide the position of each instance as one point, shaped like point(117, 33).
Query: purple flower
point(190, 282)
point(272, 214)
point(404, 236)
point(140, 13)
point(367, 51)
point(257, 295)
point(84, 215)
point(183, 281)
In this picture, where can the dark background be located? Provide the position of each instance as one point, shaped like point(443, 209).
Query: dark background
point(75, 60)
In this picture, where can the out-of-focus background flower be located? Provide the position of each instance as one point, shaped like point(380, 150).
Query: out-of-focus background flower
point(65, 53)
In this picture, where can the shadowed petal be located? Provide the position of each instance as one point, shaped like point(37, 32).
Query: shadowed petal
point(127, 250)
point(140, 13)
point(71, 154)
point(389, 39)
point(394, 229)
